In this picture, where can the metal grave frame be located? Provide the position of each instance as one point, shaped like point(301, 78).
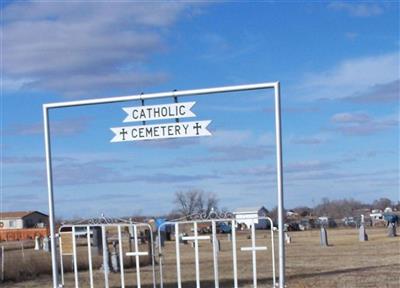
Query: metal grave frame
point(119, 226)
point(196, 92)
point(215, 248)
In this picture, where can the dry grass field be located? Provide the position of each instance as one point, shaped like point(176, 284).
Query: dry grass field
point(345, 263)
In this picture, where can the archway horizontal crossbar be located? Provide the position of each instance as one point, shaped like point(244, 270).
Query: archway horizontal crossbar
point(142, 96)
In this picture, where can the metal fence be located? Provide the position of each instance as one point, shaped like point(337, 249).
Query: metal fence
point(194, 237)
point(86, 234)
point(80, 241)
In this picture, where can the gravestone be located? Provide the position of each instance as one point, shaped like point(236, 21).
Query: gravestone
point(362, 235)
point(323, 237)
point(162, 238)
point(37, 243)
point(218, 245)
point(105, 266)
point(288, 239)
point(46, 244)
point(392, 230)
point(114, 258)
point(181, 240)
point(147, 235)
point(98, 240)
point(229, 237)
point(142, 237)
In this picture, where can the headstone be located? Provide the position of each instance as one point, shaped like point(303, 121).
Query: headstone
point(181, 238)
point(362, 235)
point(192, 244)
point(142, 237)
point(97, 239)
point(106, 252)
point(229, 237)
point(114, 258)
point(323, 237)
point(46, 244)
point(162, 238)
point(37, 243)
point(218, 245)
point(392, 230)
point(288, 239)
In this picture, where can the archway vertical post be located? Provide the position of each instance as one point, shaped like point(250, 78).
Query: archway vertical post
point(279, 177)
point(49, 170)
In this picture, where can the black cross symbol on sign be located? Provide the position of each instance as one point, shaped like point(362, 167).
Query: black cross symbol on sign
point(123, 133)
point(197, 127)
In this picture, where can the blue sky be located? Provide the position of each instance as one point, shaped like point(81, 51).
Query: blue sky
point(338, 64)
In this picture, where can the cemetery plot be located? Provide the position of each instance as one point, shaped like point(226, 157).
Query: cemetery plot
point(114, 243)
point(225, 261)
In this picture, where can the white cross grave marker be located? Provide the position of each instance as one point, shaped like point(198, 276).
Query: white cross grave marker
point(137, 254)
point(196, 239)
point(253, 248)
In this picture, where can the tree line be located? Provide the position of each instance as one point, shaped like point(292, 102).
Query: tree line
point(187, 203)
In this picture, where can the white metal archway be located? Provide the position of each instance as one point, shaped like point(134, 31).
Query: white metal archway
point(216, 90)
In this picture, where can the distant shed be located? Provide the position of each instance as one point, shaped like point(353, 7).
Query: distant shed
point(245, 217)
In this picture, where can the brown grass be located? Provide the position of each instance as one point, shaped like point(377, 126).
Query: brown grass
point(346, 263)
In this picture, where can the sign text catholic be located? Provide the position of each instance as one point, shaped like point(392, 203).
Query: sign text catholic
point(155, 112)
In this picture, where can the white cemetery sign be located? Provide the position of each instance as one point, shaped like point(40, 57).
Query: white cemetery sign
point(164, 130)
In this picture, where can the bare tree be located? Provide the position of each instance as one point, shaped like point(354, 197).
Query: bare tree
point(338, 208)
point(187, 202)
point(195, 201)
point(382, 203)
point(208, 202)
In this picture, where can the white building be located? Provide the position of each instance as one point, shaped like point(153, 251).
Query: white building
point(245, 217)
point(376, 215)
point(23, 219)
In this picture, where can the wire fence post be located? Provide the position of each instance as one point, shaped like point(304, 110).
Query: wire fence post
point(23, 252)
point(2, 263)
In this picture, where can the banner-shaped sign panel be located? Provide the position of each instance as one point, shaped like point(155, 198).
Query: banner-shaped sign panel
point(154, 112)
point(161, 131)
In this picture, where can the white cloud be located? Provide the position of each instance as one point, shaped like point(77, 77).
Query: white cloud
point(380, 93)
point(351, 35)
point(361, 123)
point(227, 138)
point(357, 9)
point(352, 77)
point(80, 47)
point(58, 127)
point(309, 139)
point(357, 117)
